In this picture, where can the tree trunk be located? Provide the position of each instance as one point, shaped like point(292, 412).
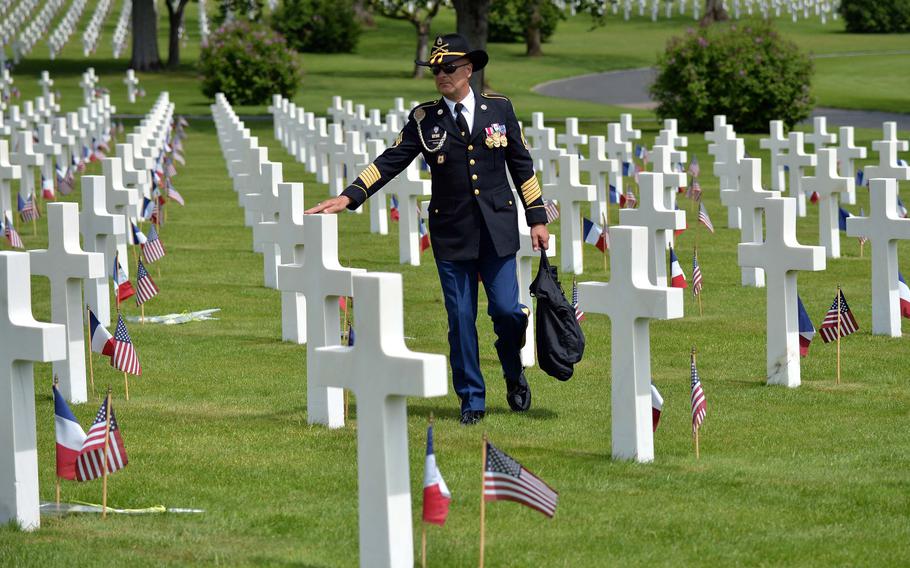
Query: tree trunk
point(363, 14)
point(714, 12)
point(472, 17)
point(532, 33)
point(145, 37)
point(175, 20)
point(423, 37)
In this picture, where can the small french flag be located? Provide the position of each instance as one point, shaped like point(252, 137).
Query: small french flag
point(806, 329)
point(677, 276)
point(657, 405)
point(904, 292)
point(436, 495)
point(70, 437)
point(102, 340)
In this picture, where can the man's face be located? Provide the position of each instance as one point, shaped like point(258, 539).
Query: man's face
point(455, 85)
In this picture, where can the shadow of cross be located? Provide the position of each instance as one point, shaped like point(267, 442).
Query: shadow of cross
point(658, 220)
point(828, 184)
point(22, 341)
point(382, 371)
point(781, 256)
point(287, 234)
point(8, 171)
point(750, 199)
point(884, 226)
point(99, 231)
point(322, 280)
point(631, 300)
point(66, 265)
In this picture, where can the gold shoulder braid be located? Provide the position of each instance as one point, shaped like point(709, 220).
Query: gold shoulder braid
point(419, 115)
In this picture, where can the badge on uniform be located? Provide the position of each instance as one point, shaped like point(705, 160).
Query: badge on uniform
point(436, 133)
point(441, 159)
point(496, 136)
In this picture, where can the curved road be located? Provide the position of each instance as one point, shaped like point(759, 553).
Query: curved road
point(630, 88)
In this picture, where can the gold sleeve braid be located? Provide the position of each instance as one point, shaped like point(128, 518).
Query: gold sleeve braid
point(530, 190)
point(370, 175)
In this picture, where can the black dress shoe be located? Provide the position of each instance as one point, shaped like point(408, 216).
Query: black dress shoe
point(471, 417)
point(518, 394)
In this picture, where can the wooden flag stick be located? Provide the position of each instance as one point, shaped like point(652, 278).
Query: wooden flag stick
point(483, 501)
point(837, 381)
point(107, 443)
point(126, 384)
point(88, 334)
point(862, 245)
point(142, 314)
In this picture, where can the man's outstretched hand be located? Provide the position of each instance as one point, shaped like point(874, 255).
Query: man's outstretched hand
point(540, 236)
point(333, 205)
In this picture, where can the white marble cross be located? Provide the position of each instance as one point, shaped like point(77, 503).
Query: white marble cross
point(630, 299)
point(728, 151)
point(887, 148)
point(22, 341)
point(884, 227)
point(847, 152)
point(627, 132)
point(547, 156)
point(653, 214)
point(820, 137)
point(829, 185)
point(379, 215)
point(570, 193)
point(796, 160)
point(8, 171)
point(132, 84)
point(526, 257)
point(24, 156)
point(287, 234)
point(100, 232)
point(781, 256)
point(718, 133)
point(335, 149)
point(750, 198)
point(62, 136)
point(572, 139)
point(776, 144)
point(603, 173)
point(265, 205)
point(120, 200)
point(662, 160)
point(353, 160)
point(408, 186)
point(46, 83)
point(669, 136)
point(322, 280)
point(66, 265)
point(87, 84)
point(45, 146)
point(382, 372)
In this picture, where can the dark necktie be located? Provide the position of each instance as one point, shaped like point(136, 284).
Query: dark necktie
point(460, 120)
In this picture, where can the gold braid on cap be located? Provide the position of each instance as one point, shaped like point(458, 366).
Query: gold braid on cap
point(441, 51)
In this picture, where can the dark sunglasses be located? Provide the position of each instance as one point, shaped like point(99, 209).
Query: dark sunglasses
point(447, 68)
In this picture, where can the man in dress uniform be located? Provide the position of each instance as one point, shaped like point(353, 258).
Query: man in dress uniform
point(468, 139)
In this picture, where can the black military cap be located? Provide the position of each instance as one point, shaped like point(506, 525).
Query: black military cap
point(449, 47)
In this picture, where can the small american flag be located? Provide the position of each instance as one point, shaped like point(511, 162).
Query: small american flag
point(628, 200)
point(704, 218)
point(694, 169)
point(696, 275)
point(699, 403)
point(828, 330)
point(579, 314)
point(12, 236)
point(145, 285)
point(125, 358)
point(90, 463)
point(153, 249)
point(552, 210)
point(862, 238)
point(172, 194)
point(27, 209)
point(505, 479)
point(694, 191)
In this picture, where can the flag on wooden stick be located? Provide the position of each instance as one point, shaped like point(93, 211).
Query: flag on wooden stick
point(506, 479)
point(829, 329)
point(103, 435)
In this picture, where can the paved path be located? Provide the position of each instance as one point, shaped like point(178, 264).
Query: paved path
point(629, 88)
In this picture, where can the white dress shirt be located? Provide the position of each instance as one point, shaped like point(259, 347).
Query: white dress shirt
point(467, 111)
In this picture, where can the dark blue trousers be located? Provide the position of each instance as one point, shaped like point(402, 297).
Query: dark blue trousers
point(459, 288)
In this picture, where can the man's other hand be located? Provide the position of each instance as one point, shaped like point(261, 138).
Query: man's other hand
point(540, 236)
point(333, 205)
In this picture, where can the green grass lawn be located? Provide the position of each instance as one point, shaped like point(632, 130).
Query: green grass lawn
point(813, 476)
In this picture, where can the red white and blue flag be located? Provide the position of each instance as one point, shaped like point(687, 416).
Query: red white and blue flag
point(70, 437)
point(657, 406)
point(436, 495)
point(145, 284)
point(829, 329)
point(393, 211)
point(153, 249)
point(595, 235)
point(11, 235)
point(694, 169)
point(422, 232)
point(102, 340)
point(90, 464)
point(506, 479)
point(139, 237)
point(125, 358)
point(552, 210)
point(696, 275)
point(47, 189)
point(677, 276)
point(904, 292)
point(122, 285)
point(806, 329)
point(579, 314)
point(27, 209)
point(699, 402)
point(704, 218)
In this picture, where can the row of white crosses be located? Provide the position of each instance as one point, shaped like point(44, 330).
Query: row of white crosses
point(822, 9)
point(122, 28)
point(65, 28)
point(12, 22)
point(35, 30)
point(92, 32)
point(379, 368)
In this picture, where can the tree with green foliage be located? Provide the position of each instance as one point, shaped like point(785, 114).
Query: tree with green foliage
point(420, 15)
point(876, 16)
point(531, 21)
point(231, 10)
point(145, 55)
point(714, 12)
point(175, 10)
point(472, 18)
point(318, 26)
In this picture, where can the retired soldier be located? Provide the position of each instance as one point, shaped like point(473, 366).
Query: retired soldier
point(468, 139)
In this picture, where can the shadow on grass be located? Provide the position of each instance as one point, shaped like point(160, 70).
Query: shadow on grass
point(76, 67)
